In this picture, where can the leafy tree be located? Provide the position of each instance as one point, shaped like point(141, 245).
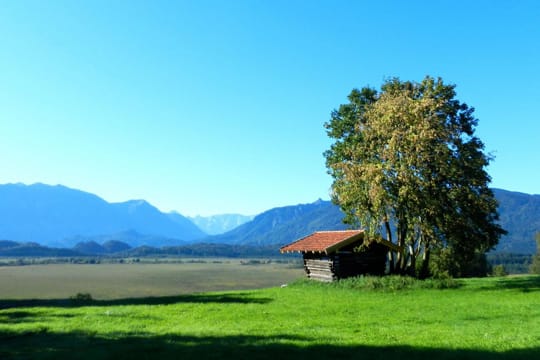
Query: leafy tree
point(408, 168)
point(535, 265)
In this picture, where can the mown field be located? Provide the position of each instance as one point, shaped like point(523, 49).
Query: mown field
point(115, 281)
point(494, 318)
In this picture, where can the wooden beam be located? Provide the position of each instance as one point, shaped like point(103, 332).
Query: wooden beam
point(389, 244)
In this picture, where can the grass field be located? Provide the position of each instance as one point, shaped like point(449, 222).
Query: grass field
point(494, 318)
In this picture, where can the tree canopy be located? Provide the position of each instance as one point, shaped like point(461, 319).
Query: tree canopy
point(408, 167)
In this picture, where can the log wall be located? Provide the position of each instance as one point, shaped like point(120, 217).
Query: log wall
point(320, 269)
point(346, 264)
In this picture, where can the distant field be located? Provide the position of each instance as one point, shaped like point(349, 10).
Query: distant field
point(494, 318)
point(116, 281)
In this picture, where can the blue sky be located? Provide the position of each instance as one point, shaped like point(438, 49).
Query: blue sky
point(208, 107)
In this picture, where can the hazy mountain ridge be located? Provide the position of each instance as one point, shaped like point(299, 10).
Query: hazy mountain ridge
point(131, 237)
point(520, 216)
point(219, 224)
point(47, 215)
point(51, 215)
point(121, 250)
point(108, 247)
point(29, 249)
point(284, 224)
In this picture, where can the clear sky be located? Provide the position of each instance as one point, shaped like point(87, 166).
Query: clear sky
point(208, 107)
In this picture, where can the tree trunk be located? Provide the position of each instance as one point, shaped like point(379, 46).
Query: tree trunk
point(391, 261)
point(411, 270)
point(390, 254)
point(388, 230)
point(424, 270)
point(402, 229)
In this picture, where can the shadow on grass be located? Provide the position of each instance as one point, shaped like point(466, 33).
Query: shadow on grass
point(19, 317)
point(528, 283)
point(525, 283)
point(43, 345)
point(236, 298)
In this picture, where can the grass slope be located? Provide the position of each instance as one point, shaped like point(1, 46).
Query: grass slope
point(496, 318)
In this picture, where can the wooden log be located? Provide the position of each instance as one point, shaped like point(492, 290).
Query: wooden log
point(321, 272)
point(327, 268)
point(318, 262)
point(320, 277)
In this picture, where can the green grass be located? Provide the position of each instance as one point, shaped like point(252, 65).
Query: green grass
point(494, 318)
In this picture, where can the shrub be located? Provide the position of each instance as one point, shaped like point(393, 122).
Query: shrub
point(499, 270)
point(535, 265)
point(81, 298)
point(449, 262)
point(395, 283)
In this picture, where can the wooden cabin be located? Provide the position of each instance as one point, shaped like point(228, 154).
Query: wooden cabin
point(332, 255)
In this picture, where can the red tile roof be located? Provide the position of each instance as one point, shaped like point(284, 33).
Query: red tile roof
point(323, 241)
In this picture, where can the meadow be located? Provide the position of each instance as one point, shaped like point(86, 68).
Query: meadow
point(164, 277)
point(492, 318)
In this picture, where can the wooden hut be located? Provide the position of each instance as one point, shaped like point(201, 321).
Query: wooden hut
point(331, 255)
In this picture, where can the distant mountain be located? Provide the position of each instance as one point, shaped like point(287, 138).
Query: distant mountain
point(89, 247)
point(520, 216)
point(219, 224)
point(108, 247)
point(62, 217)
point(131, 237)
point(113, 249)
point(284, 224)
point(115, 246)
point(15, 249)
point(52, 215)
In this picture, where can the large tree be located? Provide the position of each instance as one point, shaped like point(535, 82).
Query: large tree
point(408, 168)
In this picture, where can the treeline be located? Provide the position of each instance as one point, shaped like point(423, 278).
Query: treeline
point(30, 249)
point(122, 250)
point(93, 253)
point(512, 263)
point(96, 260)
point(206, 250)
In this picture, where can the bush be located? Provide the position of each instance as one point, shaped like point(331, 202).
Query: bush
point(499, 270)
point(395, 283)
point(446, 262)
point(81, 298)
point(535, 265)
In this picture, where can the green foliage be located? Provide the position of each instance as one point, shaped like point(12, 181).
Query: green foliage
point(407, 157)
point(535, 265)
point(447, 262)
point(83, 298)
point(513, 263)
point(490, 318)
point(499, 270)
point(395, 283)
point(384, 283)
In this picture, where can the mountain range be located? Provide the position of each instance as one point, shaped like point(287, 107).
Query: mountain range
point(219, 224)
point(62, 217)
point(54, 215)
point(284, 224)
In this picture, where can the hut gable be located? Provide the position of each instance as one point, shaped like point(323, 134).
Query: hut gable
point(330, 255)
